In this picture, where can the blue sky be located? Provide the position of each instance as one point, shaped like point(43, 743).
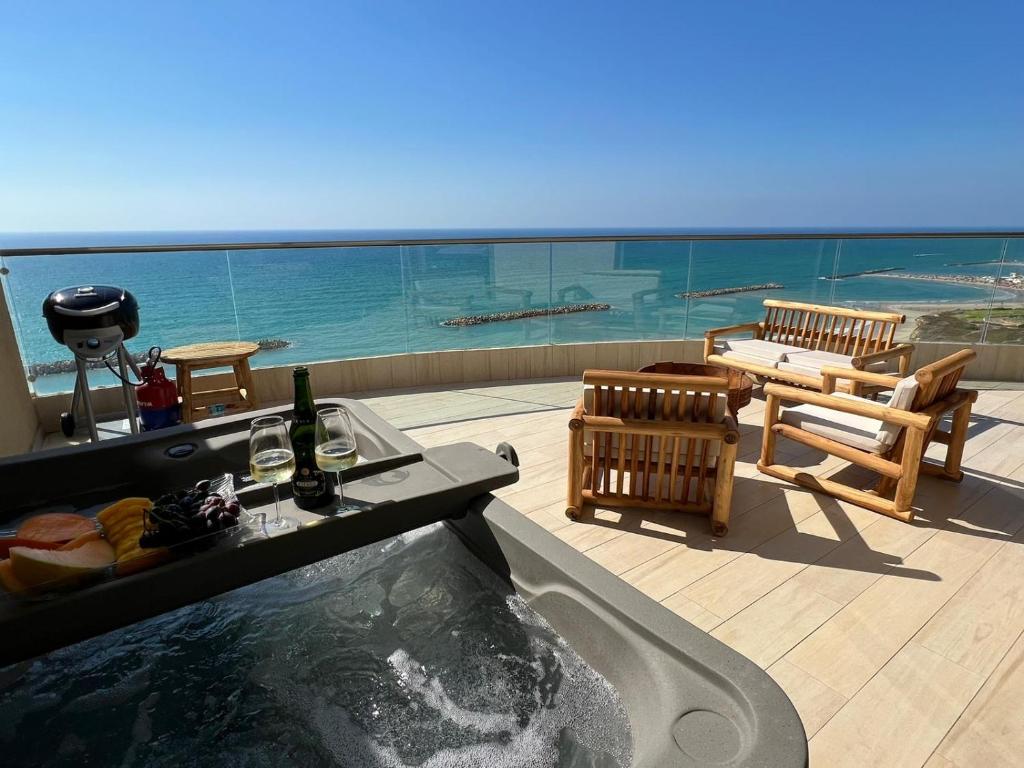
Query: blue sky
point(244, 115)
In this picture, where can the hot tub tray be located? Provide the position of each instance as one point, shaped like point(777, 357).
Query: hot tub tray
point(397, 489)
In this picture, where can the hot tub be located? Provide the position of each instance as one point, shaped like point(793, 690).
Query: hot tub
point(690, 700)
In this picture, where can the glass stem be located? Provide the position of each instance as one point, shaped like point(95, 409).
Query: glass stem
point(277, 506)
point(341, 490)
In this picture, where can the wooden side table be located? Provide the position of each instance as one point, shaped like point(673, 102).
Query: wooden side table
point(214, 354)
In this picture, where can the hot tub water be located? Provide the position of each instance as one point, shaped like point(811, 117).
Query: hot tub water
point(406, 652)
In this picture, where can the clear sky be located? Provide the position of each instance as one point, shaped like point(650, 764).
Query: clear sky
point(244, 115)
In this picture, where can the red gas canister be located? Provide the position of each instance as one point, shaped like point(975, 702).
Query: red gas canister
point(157, 396)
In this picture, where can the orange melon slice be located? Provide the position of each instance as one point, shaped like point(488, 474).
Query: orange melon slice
point(7, 542)
point(55, 527)
point(35, 567)
point(85, 538)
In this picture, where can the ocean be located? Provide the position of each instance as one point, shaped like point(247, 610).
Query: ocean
point(332, 303)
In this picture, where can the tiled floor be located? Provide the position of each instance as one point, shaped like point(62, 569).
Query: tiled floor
point(900, 644)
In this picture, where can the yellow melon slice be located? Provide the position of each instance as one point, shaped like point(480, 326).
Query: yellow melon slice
point(35, 567)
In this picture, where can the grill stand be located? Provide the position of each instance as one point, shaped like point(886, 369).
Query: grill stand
point(82, 397)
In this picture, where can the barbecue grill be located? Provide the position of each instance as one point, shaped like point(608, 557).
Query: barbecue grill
point(93, 321)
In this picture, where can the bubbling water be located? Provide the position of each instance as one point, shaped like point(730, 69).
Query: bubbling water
point(409, 652)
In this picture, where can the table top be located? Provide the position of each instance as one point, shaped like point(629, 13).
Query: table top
point(210, 350)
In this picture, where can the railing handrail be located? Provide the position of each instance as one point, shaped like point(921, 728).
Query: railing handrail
point(539, 237)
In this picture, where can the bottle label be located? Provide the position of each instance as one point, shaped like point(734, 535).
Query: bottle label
point(309, 483)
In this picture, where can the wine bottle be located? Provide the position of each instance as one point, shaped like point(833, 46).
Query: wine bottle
point(312, 488)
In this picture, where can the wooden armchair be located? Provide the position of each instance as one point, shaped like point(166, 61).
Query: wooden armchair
point(653, 441)
point(887, 439)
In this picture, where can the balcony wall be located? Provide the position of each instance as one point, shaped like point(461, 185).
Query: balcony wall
point(337, 377)
point(18, 424)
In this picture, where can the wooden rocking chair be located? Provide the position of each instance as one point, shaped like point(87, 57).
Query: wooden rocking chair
point(653, 441)
point(887, 439)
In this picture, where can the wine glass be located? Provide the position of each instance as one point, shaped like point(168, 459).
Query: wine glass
point(336, 447)
point(271, 459)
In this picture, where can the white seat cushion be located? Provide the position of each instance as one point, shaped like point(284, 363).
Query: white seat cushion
point(862, 432)
point(846, 428)
point(766, 362)
point(814, 360)
point(769, 350)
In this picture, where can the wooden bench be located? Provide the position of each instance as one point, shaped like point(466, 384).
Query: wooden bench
point(795, 341)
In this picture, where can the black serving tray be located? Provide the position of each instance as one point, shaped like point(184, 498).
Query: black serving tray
point(397, 490)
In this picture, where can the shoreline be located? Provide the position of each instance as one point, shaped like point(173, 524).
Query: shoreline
point(968, 280)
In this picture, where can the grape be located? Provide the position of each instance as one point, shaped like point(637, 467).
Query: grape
point(203, 486)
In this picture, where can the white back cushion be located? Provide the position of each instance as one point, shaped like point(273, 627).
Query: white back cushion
point(902, 398)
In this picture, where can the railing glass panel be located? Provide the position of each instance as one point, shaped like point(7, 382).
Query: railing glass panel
point(313, 304)
point(731, 279)
point(935, 282)
point(627, 290)
point(476, 296)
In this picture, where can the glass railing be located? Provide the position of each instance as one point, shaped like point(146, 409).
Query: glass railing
point(309, 304)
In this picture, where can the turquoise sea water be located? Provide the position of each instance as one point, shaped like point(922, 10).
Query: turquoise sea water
point(332, 303)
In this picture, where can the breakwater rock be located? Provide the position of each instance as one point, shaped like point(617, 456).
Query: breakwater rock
point(268, 344)
point(880, 271)
point(724, 291)
point(68, 366)
point(522, 314)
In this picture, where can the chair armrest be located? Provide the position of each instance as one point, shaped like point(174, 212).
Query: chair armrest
point(900, 350)
point(859, 408)
point(710, 334)
point(732, 434)
point(657, 428)
point(951, 402)
point(830, 374)
point(576, 417)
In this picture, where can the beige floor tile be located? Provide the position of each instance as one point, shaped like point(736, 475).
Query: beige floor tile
point(768, 629)
point(981, 621)
point(990, 732)
point(814, 701)
point(693, 613)
point(900, 716)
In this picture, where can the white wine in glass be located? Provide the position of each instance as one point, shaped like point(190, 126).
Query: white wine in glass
point(336, 448)
point(271, 459)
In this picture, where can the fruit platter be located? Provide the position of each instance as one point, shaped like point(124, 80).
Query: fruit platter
point(54, 552)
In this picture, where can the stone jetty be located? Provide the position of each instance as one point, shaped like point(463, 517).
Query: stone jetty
point(879, 271)
point(724, 291)
point(522, 314)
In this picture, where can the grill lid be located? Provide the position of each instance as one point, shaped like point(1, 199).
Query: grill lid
point(91, 306)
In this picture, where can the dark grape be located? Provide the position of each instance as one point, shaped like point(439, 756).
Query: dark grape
point(203, 486)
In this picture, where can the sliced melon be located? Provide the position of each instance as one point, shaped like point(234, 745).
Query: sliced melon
point(55, 527)
point(8, 580)
point(85, 538)
point(6, 542)
point(35, 567)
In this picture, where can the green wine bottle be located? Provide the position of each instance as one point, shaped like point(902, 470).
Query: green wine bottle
point(312, 488)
